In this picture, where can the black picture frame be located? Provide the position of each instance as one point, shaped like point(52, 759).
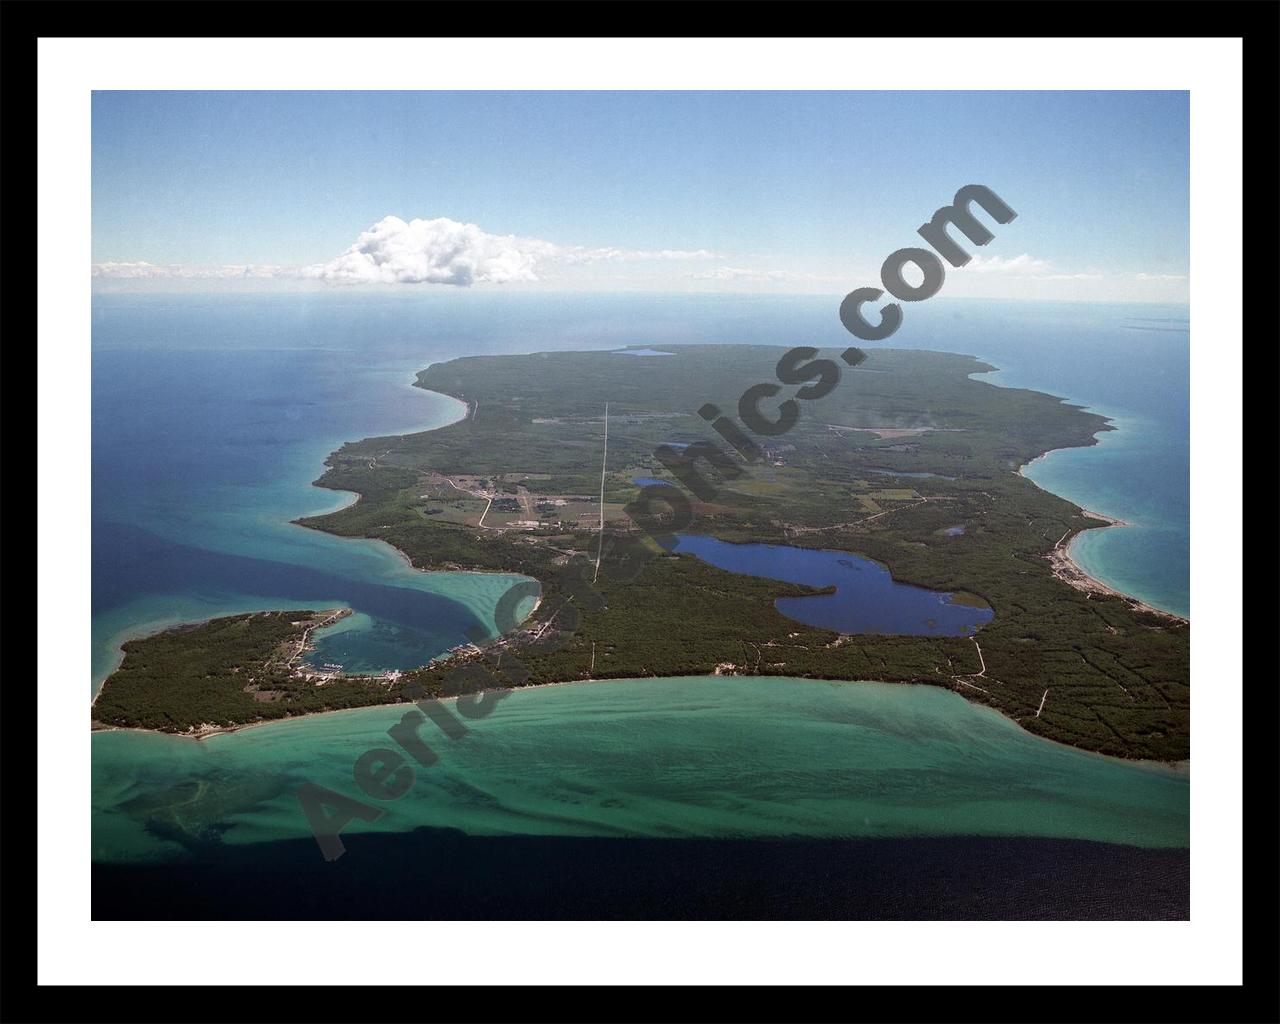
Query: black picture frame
point(23, 22)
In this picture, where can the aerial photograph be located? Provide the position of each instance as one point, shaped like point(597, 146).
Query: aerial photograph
point(550, 506)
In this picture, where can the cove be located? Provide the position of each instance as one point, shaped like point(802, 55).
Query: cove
point(867, 598)
point(201, 459)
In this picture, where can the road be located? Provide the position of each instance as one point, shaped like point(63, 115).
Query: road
point(963, 680)
point(604, 461)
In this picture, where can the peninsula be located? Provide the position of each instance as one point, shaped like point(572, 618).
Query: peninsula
point(912, 463)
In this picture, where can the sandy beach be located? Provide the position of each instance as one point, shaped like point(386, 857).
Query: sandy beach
point(1070, 572)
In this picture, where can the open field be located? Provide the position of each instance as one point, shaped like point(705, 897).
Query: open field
point(1118, 674)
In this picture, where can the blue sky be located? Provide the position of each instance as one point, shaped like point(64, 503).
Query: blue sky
point(794, 192)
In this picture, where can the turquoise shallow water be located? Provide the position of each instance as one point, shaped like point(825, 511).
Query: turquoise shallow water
point(1143, 557)
point(212, 416)
point(202, 459)
point(1130, 363)
point(715, 757)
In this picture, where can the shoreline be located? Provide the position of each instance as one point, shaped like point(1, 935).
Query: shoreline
point(152, 627)
point(1063, 567)
point(299, 666)
point(1070, 572)
point(1181, 767)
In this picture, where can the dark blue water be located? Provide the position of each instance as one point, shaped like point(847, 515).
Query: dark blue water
point(202, 456)
point(867, 598)
point(212, 415)
point(587, 879)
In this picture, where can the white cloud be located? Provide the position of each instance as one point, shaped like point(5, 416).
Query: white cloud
point(742, 274)
point(445, 251)
point(1028, 277)
point(1024, 264)
point(141, 269)
point(438, 251)
point(577, 255)
point(1028, 266)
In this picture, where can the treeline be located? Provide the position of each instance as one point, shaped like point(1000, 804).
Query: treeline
point(207, 674)
point(1118, 678)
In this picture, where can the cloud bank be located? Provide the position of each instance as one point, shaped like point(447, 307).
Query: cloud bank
point(743, 274)
point(225, 272)
point(437, 251)
point(1024, 265)
point(443, 251)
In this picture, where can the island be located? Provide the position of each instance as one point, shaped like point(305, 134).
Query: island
point(908, 473)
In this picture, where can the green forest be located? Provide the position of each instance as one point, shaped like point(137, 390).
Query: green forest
point(223, 673)
point(1116, 674)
